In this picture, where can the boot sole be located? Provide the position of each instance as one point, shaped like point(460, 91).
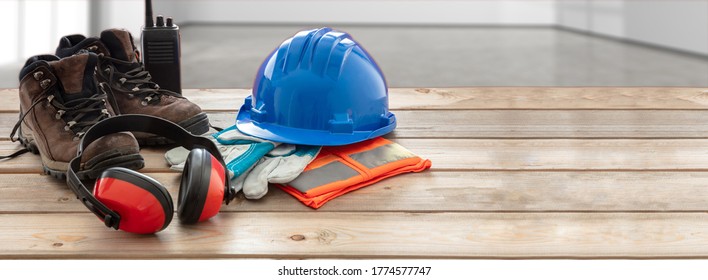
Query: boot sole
point(134, 162)
point(197, 125)
point(100, 162)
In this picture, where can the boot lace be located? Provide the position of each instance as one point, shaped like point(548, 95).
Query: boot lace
point(138, 78)
point(79, 114)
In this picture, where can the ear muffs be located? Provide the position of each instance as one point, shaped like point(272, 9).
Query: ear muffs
point(201, 191)
point(127, 200)
point(145, 206)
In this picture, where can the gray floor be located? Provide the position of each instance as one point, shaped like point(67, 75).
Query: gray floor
point(228, 57)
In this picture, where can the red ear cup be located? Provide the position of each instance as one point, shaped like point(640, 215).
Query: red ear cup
point(143, 204)
point(201, 191)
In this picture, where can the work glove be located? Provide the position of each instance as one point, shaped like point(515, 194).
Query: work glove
point(239, 151)
point(253, 162)
point(280, 166)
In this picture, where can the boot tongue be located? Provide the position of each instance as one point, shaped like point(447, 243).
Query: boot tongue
point(76, 74)
point(120, 43)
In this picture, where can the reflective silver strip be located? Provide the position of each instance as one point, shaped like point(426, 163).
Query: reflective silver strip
point(382, 155)
point(331, 172)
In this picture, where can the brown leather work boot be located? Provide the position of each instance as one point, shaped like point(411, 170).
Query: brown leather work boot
point(131, 87)
point(59, 102)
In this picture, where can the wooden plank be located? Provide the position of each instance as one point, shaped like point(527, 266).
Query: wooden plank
point(431, 192)
point(10, 100)
point(367, 235)
point(495, 155)
point(540, 124)
point(549, 98)
point(520, 124)
point(479, 98)
point(561, 154)
point(30, 163)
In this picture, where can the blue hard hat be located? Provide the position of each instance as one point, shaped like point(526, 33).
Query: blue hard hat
point(320, 87)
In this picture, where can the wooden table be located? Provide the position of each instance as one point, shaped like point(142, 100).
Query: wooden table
point(517, 173)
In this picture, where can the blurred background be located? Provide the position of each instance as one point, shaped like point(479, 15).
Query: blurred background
point(416, 43)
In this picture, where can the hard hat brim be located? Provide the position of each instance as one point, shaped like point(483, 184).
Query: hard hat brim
point(297, 136)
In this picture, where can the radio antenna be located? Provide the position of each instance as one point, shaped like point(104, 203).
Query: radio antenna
point(148, 14)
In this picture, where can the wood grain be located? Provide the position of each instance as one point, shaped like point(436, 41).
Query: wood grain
point(493, 154)
point(367, 235)
point(525, 172)
point(31, 163)
point(562, 154)
point(520, 124)
point(478, 98)
point(511, 98)
point(431, 192)
point(504, 98)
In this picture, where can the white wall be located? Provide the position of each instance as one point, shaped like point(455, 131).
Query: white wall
point(677, 24)
point(504, 12)
point(128, 14)
point(34, 27)
point(574, 14)
point(602, 17)
point(607, 17)
point(681, 25)
point(9, 19)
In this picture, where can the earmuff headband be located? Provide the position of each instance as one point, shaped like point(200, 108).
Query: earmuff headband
point(139, 123)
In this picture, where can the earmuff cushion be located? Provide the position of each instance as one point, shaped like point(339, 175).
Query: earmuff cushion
point(202, 187)
point(144, 204)
point(215, 196)
point(192, 188)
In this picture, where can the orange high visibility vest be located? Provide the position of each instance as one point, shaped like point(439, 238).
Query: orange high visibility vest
point(341, 169)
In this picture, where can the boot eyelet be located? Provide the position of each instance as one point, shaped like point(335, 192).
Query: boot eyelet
point(59, 114)
point(102, 87)
point(45, 83)
point(146, 101)
point(38, 75)
point(69, 125)
point(92, 48)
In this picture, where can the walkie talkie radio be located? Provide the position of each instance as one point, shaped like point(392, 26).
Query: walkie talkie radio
point(161, 50)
